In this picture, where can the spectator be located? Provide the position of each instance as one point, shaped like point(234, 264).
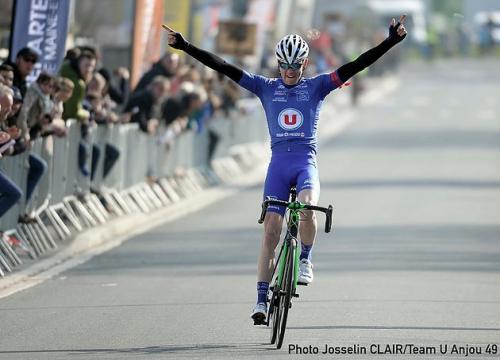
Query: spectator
point(214, 96)
point(16, 107)
point(98, 86)
point(100, 106)
point(6, 102)
point(176, 112)
point(26, 59)
point(144, 107)
point(34, 120)
point(11, 122)
point(188, 104)
point(10, 193)
point(107, 114)
point(63, 90)
point(166, 67)
point(79, 71)
point(36, 111)
point(120, 91)
point(230, 94)
point(187, 76)
point(103, 105)
point(95, 104)
point(7, 74)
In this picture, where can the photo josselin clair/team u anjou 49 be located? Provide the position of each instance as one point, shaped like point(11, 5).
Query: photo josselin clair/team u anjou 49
point(292, 104)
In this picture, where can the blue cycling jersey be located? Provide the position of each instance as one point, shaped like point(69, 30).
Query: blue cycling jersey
point(292, 112)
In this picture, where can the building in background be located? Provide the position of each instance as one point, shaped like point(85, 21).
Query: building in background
point(109, 24)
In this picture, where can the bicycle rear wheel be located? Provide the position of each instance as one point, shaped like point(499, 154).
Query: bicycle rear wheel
point(285, 297)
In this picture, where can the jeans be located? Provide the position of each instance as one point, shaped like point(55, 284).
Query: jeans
point(96, 155)
point(111, 155)
point(38, 167)
point(10, 193)
point(213, 140)
point(84, 149)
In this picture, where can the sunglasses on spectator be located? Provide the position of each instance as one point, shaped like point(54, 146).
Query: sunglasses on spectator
point(30, 59)
point(293, 66)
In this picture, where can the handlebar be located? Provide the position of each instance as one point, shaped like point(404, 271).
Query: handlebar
point(298, 206)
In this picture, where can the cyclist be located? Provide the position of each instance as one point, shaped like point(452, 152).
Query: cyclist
point(291, 103)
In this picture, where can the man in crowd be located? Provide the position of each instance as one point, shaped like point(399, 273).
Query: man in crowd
point(167, 66)
point(7, 74)
point(144, 106)
point(24, 64)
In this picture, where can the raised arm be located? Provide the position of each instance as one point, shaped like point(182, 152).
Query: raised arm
point(397, 33)
point(176, 41)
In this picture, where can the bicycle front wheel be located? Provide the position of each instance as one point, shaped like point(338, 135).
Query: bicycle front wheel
point(286, 295)
point(273, 312)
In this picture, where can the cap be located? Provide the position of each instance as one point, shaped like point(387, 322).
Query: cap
point(27, 52)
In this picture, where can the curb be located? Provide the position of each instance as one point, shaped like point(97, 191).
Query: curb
point(96, 240)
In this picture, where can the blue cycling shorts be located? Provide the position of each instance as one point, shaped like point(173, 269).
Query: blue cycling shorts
point(290, 169)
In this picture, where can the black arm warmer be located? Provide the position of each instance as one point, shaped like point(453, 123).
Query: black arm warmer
point(215, 62)
point(364, 60)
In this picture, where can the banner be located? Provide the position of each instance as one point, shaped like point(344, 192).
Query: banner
point(43, 26)
point(236, 37)
point(147, 35)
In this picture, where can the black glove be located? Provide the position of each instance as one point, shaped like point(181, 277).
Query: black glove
point(180, 42)
point(393, 37)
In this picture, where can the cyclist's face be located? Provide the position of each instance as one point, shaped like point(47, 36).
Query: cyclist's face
point(292, 76)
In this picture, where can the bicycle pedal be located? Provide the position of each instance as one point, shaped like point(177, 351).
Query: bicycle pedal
point(302, 284)
point(296, 295)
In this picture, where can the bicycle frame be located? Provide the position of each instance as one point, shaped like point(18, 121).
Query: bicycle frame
point(290, 242)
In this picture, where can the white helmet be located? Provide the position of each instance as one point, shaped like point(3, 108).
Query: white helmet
point(291, 48)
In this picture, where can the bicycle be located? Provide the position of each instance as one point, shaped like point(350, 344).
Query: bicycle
point(285, 281)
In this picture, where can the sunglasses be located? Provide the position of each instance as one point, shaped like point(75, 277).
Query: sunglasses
point(286, 66)
point(30, 59)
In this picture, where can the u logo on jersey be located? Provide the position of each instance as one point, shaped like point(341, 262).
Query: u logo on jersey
point(290, 119)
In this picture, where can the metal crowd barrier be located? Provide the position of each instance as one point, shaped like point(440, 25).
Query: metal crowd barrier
point(148, 174)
